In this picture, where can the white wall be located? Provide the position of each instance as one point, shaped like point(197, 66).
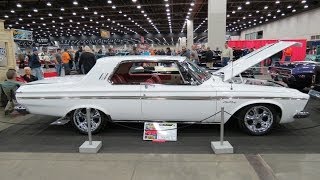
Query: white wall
point(300, 26)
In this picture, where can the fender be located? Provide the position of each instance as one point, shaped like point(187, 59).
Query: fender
point(256, 101)
point(85, 106)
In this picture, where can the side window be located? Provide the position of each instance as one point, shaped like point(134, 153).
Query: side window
point(148, 72)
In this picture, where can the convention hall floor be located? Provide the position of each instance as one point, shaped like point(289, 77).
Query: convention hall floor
point(42, 150)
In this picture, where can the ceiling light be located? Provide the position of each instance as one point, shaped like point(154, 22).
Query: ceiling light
point(12, 11)
point(113, 7)
point(138, 6)
point(304, 1)
point(125, 15)
point(277, 2)
point(53, 21)
point(145, 15)
point(95, 12)
point(306, 6)
point(60, 17)
point(74, 13)
point(6, 16)
point(266, 7)
point(49, 4)
point(75, 2)
point(20, 19)
point(134, 1)
point(35, 10)
point(167, 5)
point(289, 7)
point(282, 14)
point(19, 5)
point(293, 10)
point(239, 8)
point(190, 9)
point(278, 10)
point(248, 2)
point(233, 12)
point(49, 14)
point(41, 18)
point(82, 17)
point(109, 2)
point(85, 8)
point(102, 16)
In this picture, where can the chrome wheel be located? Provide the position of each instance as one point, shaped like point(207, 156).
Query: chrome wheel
point(258, 119)
point(80, 119)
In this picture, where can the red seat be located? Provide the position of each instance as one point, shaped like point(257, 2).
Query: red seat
point(156, 79)
point(118, 79)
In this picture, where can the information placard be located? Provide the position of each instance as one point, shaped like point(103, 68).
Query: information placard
point(160, 131)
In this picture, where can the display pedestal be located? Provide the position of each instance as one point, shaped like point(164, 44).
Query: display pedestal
point(219, 148)
point(93, 148)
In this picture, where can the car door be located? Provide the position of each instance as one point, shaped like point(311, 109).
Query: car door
point(178, 102)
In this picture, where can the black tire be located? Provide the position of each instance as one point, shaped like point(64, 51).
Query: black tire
point(244, 126)
point(100, 126)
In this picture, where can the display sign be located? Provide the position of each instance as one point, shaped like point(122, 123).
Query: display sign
point(3, 55)
point(160, 131)
point(104, 33)
point(19, 34)
point(42, 42)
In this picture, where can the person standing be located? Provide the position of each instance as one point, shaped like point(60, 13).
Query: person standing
point(21, 58)
point(287, 54)
point(87, 60)
point(226, 55)
point(168, 53)
point(209, 58)
point(77, 57)
point(195, 55)
point(185, 52)
point(35, 64)
point(58, 62)
point(65, 61)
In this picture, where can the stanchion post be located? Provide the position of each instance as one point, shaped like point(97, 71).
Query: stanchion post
point(221, 147)
point(90, 146)
point(88, 113)
point(222, 126)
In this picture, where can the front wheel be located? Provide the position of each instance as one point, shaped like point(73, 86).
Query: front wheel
point(80, 123)
point(257, 119)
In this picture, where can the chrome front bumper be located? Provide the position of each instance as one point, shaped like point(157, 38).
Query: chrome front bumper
point(302, 114)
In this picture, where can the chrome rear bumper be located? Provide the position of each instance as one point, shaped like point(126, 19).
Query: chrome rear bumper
point(302, 114)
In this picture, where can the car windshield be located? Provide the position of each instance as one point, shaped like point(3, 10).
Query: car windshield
point(200, 74)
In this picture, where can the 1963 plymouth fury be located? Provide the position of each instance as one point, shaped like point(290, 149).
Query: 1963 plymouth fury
point(167, 88)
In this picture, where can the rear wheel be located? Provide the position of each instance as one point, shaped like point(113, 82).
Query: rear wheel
point(80, 123)
point(257, 119)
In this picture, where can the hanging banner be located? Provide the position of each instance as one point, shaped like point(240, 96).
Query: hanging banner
point(19, 34)
point(3, 55)
point(160, 131)
point(104, 33)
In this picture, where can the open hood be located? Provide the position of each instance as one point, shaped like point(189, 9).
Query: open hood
point(235, 68)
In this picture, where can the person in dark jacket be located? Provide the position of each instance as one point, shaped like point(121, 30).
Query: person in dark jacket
point(77, 57)
point(35, 64)
point(87, 60)
point(168, 53)
point(209, 58)
point(28, 77)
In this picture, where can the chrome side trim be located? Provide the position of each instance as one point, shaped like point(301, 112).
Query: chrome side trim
point(164, 97)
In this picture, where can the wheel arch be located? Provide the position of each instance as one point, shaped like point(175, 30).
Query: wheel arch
point(68, 111)
point(276, 105)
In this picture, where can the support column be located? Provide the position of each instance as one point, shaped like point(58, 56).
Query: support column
point(189, 33)
point(217, 17)
point(7, 51)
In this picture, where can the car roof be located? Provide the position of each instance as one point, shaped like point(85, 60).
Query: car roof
point(118, 59)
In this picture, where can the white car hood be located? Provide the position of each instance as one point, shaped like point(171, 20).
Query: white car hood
point(237, 67)
point(54, 80)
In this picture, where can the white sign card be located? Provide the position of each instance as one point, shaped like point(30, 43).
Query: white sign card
point(160, 131)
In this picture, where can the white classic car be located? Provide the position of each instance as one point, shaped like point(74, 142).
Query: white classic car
point(167, 88)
